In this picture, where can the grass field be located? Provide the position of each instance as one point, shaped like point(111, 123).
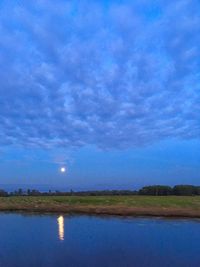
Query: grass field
point(119, 205)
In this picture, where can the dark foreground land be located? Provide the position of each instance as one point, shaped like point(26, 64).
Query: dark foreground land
point(169, 206)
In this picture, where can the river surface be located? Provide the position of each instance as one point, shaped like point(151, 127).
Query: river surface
point(90, 241)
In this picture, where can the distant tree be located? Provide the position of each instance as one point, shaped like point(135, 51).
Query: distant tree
point(197, 190)
point(20, 192)
point(3, 193)
point(28, 192)
point(35, 192)
point(71, 192)
point(185, 190)
point(156, 190)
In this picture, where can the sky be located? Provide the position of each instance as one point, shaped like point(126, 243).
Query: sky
point(108, 89)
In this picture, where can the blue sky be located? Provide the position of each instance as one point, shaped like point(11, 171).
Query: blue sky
point(109, 89)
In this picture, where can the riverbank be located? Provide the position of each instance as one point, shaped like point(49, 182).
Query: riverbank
point(166, 206)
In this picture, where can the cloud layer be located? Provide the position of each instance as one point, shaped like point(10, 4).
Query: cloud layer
point(107, 73)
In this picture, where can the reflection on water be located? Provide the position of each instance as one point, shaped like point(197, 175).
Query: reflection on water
point(39, 240)
point(61, 232)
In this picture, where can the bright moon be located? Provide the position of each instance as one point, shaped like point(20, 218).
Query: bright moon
point(63, 169)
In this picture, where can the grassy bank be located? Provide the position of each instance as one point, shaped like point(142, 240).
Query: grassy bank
point(116, 205)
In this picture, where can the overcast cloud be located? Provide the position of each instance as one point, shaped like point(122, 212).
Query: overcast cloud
point(113, 74)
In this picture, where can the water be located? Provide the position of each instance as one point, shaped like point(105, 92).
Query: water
point(90, 241)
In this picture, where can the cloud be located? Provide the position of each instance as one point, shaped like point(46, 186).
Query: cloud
point(110, 74)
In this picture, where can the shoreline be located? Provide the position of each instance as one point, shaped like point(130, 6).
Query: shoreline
point(169, 206)
point(110, 211)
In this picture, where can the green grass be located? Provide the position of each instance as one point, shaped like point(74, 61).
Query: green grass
point(128, 201)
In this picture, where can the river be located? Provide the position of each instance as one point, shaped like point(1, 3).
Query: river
point(35, 240)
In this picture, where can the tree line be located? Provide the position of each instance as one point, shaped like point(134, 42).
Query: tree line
point(153, 190)
point(163, 190)
point(34, 192)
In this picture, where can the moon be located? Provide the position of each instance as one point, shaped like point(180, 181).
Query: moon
point(62, 169)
